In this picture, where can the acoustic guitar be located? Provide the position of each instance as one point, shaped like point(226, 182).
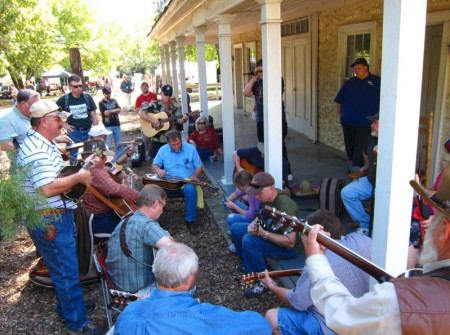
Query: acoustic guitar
point(289, 224)
point(250, 278)
point(164, 123)
point(169, 182)
point(246, 165)
point(111, 160)
point(76, 191)
point(65, 149)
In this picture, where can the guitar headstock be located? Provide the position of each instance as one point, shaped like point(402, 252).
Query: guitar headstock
point(279, 221)
point(247, 279)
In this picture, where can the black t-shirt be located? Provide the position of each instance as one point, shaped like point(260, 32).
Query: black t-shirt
point(113, 119)
point(79, 107)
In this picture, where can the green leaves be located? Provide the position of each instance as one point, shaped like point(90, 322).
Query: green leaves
point(17, 205)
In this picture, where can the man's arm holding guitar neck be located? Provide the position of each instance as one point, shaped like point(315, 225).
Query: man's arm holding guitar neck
point(280, 292)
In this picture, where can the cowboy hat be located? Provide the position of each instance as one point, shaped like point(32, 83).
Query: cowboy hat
point(440, 199)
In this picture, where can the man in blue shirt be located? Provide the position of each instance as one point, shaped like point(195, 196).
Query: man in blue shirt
point(358, 98)
point(172, 309)
point(180, 159)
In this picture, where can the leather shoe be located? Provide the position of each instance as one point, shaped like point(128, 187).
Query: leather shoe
point(192, 227)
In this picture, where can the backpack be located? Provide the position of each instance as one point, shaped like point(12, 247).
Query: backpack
point(66, 102)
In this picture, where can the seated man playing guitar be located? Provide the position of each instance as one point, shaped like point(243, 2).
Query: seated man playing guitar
point(159, 117)
point(181, 159)
point(253, 242)
point(302, 316)
point(105, 219)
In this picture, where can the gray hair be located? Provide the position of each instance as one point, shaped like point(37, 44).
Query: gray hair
point(25, 95)
point(149, 194)
point(173, 265)
point(172, 135)
point(202, 118)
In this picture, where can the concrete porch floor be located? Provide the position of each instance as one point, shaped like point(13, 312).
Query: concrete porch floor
point(309, 161)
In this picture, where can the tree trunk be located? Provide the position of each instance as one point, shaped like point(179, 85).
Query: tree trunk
point(75, 64)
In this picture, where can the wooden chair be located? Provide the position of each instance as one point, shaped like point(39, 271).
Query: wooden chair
point(424, 145)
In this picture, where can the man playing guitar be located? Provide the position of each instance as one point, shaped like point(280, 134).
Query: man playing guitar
point(105, 219)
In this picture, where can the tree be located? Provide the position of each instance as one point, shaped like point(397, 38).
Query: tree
point(211, 54)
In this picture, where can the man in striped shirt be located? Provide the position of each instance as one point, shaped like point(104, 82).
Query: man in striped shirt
point(56, 242)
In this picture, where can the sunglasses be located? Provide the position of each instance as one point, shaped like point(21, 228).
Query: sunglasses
point(77, 86)
point(201, 122)
point(258, 71)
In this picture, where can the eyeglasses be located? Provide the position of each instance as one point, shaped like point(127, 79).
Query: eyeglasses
point(258, 71)
point(77, 86)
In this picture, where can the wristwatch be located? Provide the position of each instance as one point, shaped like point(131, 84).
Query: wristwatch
point(265, 236)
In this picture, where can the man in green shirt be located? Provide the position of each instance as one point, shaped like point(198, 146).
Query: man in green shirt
point(254, 243)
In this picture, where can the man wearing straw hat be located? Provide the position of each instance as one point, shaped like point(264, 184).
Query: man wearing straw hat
point(419, 305)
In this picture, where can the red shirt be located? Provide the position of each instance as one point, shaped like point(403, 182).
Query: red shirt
point(208, 140)
point(145, 100)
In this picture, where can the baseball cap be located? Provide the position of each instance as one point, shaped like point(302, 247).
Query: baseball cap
point(167, 90)
point(47, 107)
point(106, 90)
point(260, 180)
point(361, 61)
point(144, 83)
point(92, 146)
point(374, 117)
point(99, 130)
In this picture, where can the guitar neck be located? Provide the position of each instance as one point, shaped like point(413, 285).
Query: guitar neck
point(187, 181)
point(293, 224)
point(119, 155)
point(253, 277)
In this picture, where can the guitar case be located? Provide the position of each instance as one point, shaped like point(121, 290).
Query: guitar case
point(139, 154)
point(330, 195)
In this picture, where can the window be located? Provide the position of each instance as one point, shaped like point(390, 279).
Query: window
point(354, 41)
point(294, 28)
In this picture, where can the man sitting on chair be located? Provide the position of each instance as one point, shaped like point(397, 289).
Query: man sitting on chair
point(141, 233)
point(105, 219)
point(172, 309)
point(362, 188)
point(181, 159)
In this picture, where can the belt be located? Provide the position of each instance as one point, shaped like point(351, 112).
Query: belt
point(53, 211)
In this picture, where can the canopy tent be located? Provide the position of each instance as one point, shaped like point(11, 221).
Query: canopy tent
point(56, 73)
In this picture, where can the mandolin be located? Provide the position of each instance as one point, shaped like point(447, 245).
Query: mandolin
point(76, 191)
point(251, 278)
point(169, 182)
point(291, 223)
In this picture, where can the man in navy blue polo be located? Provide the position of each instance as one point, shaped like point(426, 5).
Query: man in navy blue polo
point(358, 98)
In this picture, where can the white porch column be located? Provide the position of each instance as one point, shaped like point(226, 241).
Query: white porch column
point(167, 58)
point(201, 63)
point(163, 64)
point(180, 43)
point(173, 58)
point(401, 79)
point(226, 80)
point(271, 50)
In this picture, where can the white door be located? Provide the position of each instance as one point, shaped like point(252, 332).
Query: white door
point(296, 57)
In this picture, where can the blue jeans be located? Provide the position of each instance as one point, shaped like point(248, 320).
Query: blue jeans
point(117, 141)
point(204, 154)
point(77, 136)
point(235, 217)
point(190, 194)
point(292, 322)
point(60, 256)
point(352, 195)
point(252, 249)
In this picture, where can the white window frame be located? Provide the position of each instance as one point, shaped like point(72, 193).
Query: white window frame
point(354, 29)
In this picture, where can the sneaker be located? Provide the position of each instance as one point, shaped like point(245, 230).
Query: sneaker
point(148, 158)
point(232, 248)
point(290, 177)
point(229, 232)
point(192, 227)
point(364, 231)
point(88, 329)
point(255, 290)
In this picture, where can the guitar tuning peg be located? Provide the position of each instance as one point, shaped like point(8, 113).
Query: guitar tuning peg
point(288, 231)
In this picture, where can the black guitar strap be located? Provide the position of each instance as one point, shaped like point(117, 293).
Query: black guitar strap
point(123, 243)
point(443, 273)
